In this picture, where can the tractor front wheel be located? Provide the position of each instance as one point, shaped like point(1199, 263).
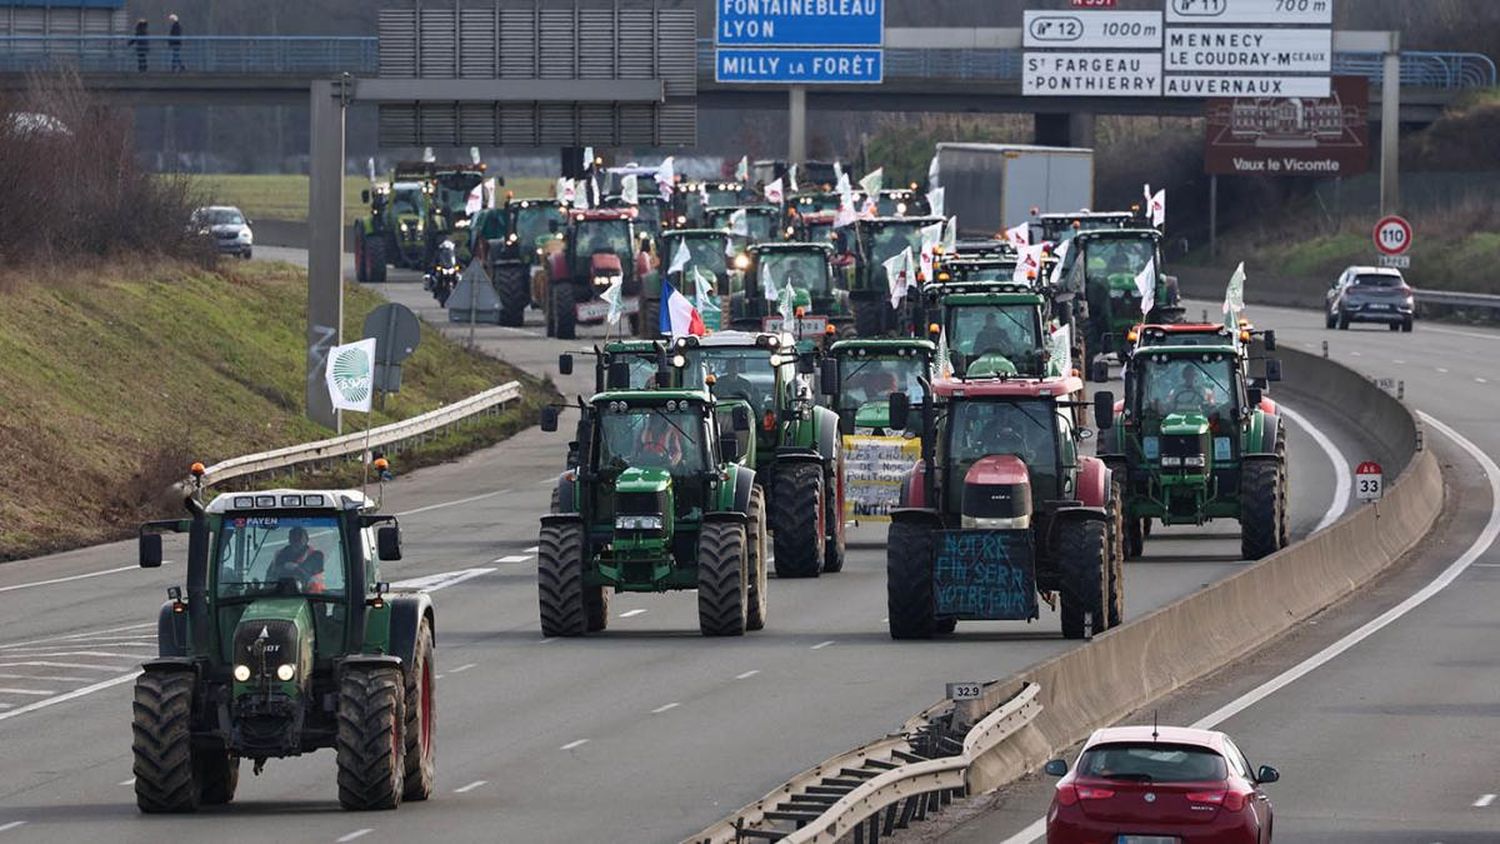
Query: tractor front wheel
point(797, 511)
point(564, 318)
point(165, 776)
point(1114, 594)
point(1084, 559)
point(421, 719)
point(596, 605)
point(908, 582)
point(361, 274)
point(723, 584)
point(371, 748)
point(375, 258)
point(515, 295)
point(218, 773)
point(1260, 509)
point(1135, 538)
point(755, 534)
point(559, 576)
point(834, 542)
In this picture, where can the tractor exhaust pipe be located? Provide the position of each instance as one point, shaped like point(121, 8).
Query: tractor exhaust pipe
point(197, 573)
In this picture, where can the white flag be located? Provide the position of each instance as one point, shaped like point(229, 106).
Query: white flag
point(588, 158)
point(845, 216)
point(950, 236)
point(1019, 236)
point(490, 189)
point(630, 190)
point(1061, 254)
point(350, 375)
point(787, 307)
point(742, 169)
point(581, 190)
point(774, 193)
point(613, 297)
point(1158, 208)
point(739, 222)
point(1146, 191)
point(791, 179)
point(931, 236)
point(872, 183)
point(898, 269)
point(564, 190)
point(1234, 297)
point(680, 258)
point(1028, 264)
point(838, 173)
point(371, 167)
point(943, 362)
point(475, 201)
point(933, 180)
point(1145, 282)
point(666, 176)
point(843, 188)
point(703, 284)
point(1062, 349)
point(935, 201)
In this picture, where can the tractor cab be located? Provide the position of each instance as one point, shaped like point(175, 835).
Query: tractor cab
point(813, 202)
point(877, 240)
point(819, 301)
point(812, 227)
point(762, 223)
point(1104, 266)
point(860, 375)
point(898, 202)
point(1060, 227)
point(971, 269)
point(991, 328)
point(722, 195)
point(445, 189)
point(650, 213)
point(600, 247)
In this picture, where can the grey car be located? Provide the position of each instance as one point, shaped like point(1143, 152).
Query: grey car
point(227, 226)
point(1371, 294)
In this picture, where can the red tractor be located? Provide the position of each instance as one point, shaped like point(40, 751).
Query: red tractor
point(1002, 510)
point(599, 248)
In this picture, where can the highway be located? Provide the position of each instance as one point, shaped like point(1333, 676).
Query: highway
point(643, 734)
point(1380, 713)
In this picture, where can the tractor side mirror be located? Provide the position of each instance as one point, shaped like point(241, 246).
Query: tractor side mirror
point(729, 447)
point(150, 550)
point(828, 377)
point(1273, 370)
point(1104, 410)
point(1056, 768)
point(1253, 395)
point(900, 404)
point(388, 542)
point(549, 419)
point(364, 196)
point(618, 377)
point(1270, 336)
point(565, 364)
point(740, 419)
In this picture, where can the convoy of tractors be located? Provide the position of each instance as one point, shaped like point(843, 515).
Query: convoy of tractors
point(832, 330)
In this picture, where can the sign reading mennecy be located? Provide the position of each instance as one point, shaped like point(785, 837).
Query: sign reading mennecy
point(799, 41)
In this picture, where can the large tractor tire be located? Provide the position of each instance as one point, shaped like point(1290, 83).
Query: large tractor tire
point(1085, 561)
point(564, 318)
point(371, 748)
point(908, 582)
point(723, 579)
point(596, 606)
point(218, 774)
point(559, 580)
point(797, 511)
point(1260, 509)
point(1114, 590)
point(834, 541)
point(375, 258)
point(515, 293)
point(165, 774)
point(420, 730)
point(755, 534)
point(361, 274)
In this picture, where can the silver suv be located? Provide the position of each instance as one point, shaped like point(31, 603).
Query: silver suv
point(1371, 294)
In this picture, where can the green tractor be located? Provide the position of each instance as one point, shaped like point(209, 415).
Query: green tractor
point(992, 328)
point(530, 229)
point(763, 223)
point(1103, 265)
point(658, 497)
point(823, 304)
point(394, 232)
point(859, 375)
point(1002, 509)
point(1056, 228)
point(708, 250)
point(876, 240)
point(285, 641)
point(1195, 439)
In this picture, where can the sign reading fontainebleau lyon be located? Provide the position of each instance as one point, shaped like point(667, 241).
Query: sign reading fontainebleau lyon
point(1291, 136)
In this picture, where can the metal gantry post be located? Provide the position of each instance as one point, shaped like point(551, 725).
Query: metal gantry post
point(796, 148)
point(1390, 127)
point(325, 235)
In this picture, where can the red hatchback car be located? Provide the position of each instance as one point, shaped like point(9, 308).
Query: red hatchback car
point(1160, 785)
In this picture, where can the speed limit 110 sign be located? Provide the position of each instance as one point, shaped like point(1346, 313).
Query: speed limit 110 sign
point(1369, 481)
point(1392, 235)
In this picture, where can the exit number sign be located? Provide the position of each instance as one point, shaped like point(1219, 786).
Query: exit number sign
point(1095, 4)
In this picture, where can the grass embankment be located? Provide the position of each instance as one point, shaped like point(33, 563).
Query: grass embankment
point(284, 197)
point(114, 381)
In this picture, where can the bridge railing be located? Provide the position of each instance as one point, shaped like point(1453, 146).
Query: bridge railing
point(285, 55)
point(1423, 69)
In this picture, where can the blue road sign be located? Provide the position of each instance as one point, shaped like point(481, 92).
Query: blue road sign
point(799, 23)
point(798, 66)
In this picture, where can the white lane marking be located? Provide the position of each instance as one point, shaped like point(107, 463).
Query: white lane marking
point(572, 744)
point(63, 698)
point(36, 692)
point(631, 613)
point(471, 499)
point(57, 678)
point(6, 827)
point(1343, 484)
point(358, 833)
point(1481, 544)
point(71, 579)
point(441, 580)
point(748, 674)
point(130, 781)
point(1357, 354)
point(29, 654)
point(72, 637)
point(7, 706)
point(1398, 361)
point(821, 645)
point(1443, 370)
point(1484, 800)
point(664, 708)
point(46, 664)
point(1461, 333)
point(462, 668)
point(513, 558)
point(1487, 565)
point(533, 549)
point(1481, 381)
point(470, 787)
point(547, 641)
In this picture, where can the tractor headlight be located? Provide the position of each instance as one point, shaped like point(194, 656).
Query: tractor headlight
point(242, 673)
point(638, 523)
point(1194, 460)
point(286, 672)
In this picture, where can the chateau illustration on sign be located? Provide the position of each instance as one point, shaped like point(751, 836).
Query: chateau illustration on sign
point(1295, 136)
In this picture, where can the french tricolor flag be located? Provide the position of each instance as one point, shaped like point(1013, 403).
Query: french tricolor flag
point(678, 316)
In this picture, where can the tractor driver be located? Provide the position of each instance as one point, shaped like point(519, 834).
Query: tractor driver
point(733, 383)
point(875, 385)
point(1190, 394)
point(298, 560)
point(661, 442)
point(998, 436)
point(992, 339)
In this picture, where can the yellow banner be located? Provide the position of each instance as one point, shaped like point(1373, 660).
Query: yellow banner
point(874, 470)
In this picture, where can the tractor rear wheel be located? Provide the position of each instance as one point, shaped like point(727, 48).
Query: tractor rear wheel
point(755, 534)
point(723, 584)
point(834, 546)
point(218, 774)
point(908, 582)
point(370, 744)
point(375, 257)
point(515, 294)
point(559, 578)
point(165, 776)
point(1114, 594)
point(1084, 560)
point(797, 511)
point(361, 274)
point(596, 605)
point(564, 318)
point(1260, 509)
point(420, 731)
point(1135, 538)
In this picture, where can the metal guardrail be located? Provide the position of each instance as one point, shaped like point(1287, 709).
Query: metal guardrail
point(878, 788)
point(299, 55)
point(394, 434)
point(1454, 299)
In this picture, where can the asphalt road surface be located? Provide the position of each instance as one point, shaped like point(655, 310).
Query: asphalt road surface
point(643, 734)
point(1381, 712)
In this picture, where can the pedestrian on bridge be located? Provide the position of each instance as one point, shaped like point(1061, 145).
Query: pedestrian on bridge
point(175, 42)
point(141, 44)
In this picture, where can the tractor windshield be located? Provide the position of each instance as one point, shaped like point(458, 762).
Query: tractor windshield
point(983, 272)
point(407, 202)
point(269, 555)
point(804, 270)
point(1027, 428)
point(453, 192)
point(720, 197)
point(1202, 384)
point(1109, 258)
point(887, 242)
point(653, 438)
point(901, 205)
point(591, 237)
point(819, 233)
point(1010, 331)
point(865, 380)
point(534, 222)
point(738, 373)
